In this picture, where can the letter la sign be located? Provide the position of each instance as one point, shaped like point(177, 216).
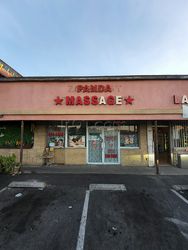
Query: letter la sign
point(184, 99)
point(180, 100)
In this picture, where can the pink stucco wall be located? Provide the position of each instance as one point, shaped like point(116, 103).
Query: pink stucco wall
point(35, 100)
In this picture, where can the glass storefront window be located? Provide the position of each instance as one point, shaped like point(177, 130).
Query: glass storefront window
point(129, 136)
point(10, 135)
point(56, 136)
point(180, 135)
point(76, 134)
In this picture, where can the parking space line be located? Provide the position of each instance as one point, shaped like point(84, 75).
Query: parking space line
point(180, 187)
point(93, 187)
point(3, 189)
point(27, 184)
point(107, 187)
point(180, 196)
point(81, 235)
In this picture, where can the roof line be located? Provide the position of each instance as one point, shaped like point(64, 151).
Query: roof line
point(94, 78)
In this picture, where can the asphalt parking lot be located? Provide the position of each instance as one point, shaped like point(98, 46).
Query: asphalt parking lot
point(148, 215)
point(184, 193)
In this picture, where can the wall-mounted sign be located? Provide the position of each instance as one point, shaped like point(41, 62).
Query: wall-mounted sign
point(180, 99)
point(93, 88)
point(93, 99)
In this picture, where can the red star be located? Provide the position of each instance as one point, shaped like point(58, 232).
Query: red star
point(58, 101)
point(129, 100)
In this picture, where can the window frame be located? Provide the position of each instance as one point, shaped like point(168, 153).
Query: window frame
point(76, 124)
point(137, 133)
point(56, 131)
point(182, 135)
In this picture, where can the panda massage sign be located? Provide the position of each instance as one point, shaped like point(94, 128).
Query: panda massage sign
point(96, 97)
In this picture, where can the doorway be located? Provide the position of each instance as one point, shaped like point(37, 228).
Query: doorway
point(164, 145)
point(103, 145)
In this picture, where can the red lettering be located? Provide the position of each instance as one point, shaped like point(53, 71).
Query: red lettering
point(50, 134)
point(108, 88)
point(79, 100)
point(110, 156)
point(86, 88)
point(94, 100)
point(93, 88)
point(110, 100)
point(113, 155)
point(86, 100)
point(70, 100)
point(79, 88)
point(100, 88)
point(176, 100)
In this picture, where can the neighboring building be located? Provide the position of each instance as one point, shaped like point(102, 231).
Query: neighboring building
point(95, 120)
point(7, 71)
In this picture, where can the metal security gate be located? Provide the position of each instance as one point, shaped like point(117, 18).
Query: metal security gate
point(103, 145)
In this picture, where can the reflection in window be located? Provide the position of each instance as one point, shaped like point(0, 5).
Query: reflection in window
point(129, 136)
point(10, 135)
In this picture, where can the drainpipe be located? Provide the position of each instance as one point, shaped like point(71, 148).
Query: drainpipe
point(21, 144)
point(156, 149)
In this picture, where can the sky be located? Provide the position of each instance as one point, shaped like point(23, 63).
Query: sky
point(94, 37)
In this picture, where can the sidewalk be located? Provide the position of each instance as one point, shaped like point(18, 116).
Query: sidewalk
point(103, 169)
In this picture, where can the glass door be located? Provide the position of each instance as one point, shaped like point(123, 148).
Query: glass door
point(111, 149)
point(103, 145)
point(95, 142)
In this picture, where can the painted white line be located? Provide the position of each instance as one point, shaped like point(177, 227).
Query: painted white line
point(180, 196)
point(27, 184)
point(3, 189)
point(183, 226)
point(81, 234)
point(107, 187)
point(185, 235)
point(180, 187)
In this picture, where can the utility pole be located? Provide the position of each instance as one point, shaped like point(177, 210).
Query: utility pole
point(21, 144)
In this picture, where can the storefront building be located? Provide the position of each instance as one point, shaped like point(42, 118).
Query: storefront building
point(119, 120)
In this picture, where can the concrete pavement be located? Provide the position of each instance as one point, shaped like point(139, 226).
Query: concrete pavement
point(103, 169)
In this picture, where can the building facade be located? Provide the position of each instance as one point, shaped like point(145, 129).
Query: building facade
point(95, 120)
